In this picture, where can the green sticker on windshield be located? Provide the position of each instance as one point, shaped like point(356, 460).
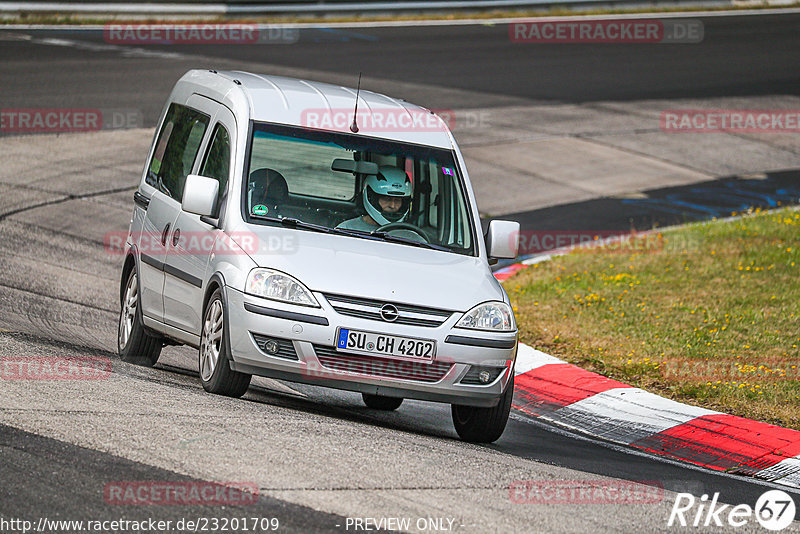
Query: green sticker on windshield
point(260, 209)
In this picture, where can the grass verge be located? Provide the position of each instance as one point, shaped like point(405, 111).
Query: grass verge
point(707, 314)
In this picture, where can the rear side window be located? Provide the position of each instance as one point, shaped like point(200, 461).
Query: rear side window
point(218, 158)
point(176, 149)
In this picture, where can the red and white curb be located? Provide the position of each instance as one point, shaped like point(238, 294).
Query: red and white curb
point(567, 396)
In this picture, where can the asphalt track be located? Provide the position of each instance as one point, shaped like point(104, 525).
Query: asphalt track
point(462, 66)
point(316, 455)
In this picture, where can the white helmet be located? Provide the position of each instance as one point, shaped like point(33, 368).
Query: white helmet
point(391, 182)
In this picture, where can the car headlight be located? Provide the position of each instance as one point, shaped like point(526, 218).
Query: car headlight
point(491, 316)
point(276, 285)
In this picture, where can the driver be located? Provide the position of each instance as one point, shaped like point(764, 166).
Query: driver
point(387, 199)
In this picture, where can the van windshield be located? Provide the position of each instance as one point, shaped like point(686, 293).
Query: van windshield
point(358, 186)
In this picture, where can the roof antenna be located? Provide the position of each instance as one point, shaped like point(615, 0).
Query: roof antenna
point(354, 126)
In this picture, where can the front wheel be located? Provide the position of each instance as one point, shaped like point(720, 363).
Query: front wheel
point(483, 425)
point(134, 344)
point(214, 355)
point(377, 402)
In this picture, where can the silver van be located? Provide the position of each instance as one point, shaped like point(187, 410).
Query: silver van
point(318, 234)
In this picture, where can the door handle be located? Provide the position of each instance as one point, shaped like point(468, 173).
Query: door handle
point(164, 235)
point(176, 235)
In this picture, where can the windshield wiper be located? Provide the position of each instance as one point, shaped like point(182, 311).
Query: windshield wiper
point(291, 222)
point(395, 239)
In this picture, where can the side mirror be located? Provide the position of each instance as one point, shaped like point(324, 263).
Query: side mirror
point(200, 195)
point(356, 167)
point(502, 239)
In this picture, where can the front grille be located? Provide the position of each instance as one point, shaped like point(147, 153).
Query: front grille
point(471, 378)
point(383, 367)
point(285, 346)
point(371, 309)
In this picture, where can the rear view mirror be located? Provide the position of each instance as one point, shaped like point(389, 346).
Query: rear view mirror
point(200, 195)
point(502, 239)
point(356, 167)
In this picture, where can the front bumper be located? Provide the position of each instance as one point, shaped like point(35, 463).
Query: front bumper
point(307, 353)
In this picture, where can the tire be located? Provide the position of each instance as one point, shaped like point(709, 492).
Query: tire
point(483, 425)
point(214, 357)
point(377, 402)
point(134, 343)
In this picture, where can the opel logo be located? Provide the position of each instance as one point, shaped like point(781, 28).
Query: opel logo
point(389, 313)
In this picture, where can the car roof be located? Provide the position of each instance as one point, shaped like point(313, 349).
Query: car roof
point(305, 103)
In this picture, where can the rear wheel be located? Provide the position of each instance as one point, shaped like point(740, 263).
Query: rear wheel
point(377, 402)
point(134, 343)
point(483, 425)
point(214, 355)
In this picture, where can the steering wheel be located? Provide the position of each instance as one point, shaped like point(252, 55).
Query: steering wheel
point(404, 226)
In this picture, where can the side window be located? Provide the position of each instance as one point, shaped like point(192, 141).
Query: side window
point(218, 158)
point(176, 148)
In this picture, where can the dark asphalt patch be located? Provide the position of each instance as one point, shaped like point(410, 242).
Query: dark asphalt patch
point(666, 206)
point(44, 477)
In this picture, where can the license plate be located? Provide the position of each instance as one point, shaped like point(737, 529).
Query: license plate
point(385, 345)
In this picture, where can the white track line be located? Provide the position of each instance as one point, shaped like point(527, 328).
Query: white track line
point(529, 358)
point(457, 22)
point(569, 433)
point(625, 415)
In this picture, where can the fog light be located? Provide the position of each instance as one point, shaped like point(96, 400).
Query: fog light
point(271, 346)
point(484, 377)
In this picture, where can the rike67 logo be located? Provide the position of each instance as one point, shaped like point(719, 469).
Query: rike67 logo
point(774, 510)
